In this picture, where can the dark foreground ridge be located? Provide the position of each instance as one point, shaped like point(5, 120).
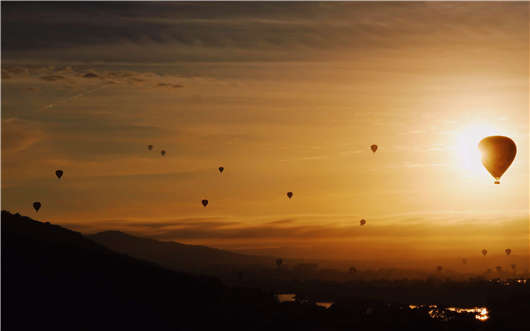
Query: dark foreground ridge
point(57, 279)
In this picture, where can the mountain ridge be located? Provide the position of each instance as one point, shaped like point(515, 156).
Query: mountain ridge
point(175, 255)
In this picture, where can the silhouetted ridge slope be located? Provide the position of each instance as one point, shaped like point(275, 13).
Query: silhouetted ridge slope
point(175, 255)
point(57, 279)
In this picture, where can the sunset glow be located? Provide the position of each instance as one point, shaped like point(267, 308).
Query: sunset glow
point(285, 101)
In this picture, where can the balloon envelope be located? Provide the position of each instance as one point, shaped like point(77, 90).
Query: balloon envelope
point(498, 153)
point(36, 205)
point(363, 221)
point(289, 195)
point(59, 173)
point(150, 147)
point(484, 252)
point(508, 251)
point(221, 169)
point(373, 148)
point(205, 203)
point(163, 152)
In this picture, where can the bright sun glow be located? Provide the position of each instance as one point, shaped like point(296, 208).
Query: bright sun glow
point(467, 154)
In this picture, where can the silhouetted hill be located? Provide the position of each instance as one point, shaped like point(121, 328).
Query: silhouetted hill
point(177, 256)
point(57, 279)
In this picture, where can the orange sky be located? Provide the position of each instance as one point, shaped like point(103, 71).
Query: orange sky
point(287, 97)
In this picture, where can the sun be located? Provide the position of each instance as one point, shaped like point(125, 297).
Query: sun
point(465, 147)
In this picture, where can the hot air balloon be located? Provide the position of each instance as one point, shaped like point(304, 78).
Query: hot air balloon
point(513, 266)
point(36, 206)
point(373, 148)
point(363, 222)
point(221, 169)
point(439, 268)
point(59, 173)
point(279, 262)
point(508, 251)
point(163, 152)
point(498, 153)
point(484, 252)
point(464, 261)
point(150, 147)
point(205, 203)
point(289, 195)
point(352, 270)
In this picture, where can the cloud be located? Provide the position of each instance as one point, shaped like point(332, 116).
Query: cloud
point(455, 227)
point(79, 77)
point(169, 85)
point(239, 32)
point(90, 75)
point(52, 78)
point(19, 135)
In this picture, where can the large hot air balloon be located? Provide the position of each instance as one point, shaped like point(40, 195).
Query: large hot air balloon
point(508, 251)
point(221, 169)
point(484, 252)
point(363, 222)
point(36, 206)
point(150, 147)
point(373, 148)
point(205, 203)
point(498, 153)
point(289, 195)
point(163, 152)
point(59, 173)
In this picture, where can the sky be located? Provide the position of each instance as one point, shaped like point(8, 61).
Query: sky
point(285, 96)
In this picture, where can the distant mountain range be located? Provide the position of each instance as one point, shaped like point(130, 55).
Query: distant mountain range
point(176, 256)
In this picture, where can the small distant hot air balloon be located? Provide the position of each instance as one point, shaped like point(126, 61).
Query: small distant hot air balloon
point(484, 252)
point(464, 261)
point(508, 251)
point(373, 148)
point(59, 173)
point(289, 195)
point(279, 262)
point(150, 147)
point(221, 169)
point(205, 203)
point(352, 270)
point(439, 268)
point(36, 206)
point(363, 222)
point(513, 266)
point(163, 152)
point(498, 153)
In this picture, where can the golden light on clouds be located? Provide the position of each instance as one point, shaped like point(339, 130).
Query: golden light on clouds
point(285, 101)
